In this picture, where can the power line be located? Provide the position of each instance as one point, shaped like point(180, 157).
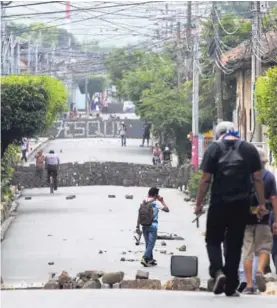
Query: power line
point(32, 4)
point(80, 9)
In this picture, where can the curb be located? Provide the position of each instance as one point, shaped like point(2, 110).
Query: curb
point(12, 214)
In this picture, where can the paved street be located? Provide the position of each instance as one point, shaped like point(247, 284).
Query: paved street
point(70, 233)
point(83, 150)
point(129, 298)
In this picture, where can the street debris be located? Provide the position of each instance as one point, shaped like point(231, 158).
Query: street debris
point(182, 248)
point(129, 196)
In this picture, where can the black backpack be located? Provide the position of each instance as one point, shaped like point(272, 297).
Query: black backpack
point(232, 176)
point(146, 213)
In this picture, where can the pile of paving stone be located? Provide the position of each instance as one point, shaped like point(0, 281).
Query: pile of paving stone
point(98, 279)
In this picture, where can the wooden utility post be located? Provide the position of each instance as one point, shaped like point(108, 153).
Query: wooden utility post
point(218, 72)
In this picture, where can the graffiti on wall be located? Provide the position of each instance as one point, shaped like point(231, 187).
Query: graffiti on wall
point(95, 128)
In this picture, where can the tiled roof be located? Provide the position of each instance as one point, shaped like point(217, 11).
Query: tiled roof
point(241, 55)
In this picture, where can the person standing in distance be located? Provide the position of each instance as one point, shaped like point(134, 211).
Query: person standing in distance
point(148, 219)
point(229, 163)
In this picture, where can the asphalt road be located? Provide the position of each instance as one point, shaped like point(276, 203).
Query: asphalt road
point(128, 298)
point(70, 233)
point(83, 150)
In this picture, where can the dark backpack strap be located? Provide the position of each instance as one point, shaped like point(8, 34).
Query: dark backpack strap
point(223, 146)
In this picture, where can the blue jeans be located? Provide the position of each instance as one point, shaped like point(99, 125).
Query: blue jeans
point(150, 236)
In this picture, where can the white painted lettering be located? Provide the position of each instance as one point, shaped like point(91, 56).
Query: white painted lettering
point(67, 128)
point(80, 129)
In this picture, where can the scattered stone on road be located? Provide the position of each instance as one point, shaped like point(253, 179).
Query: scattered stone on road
point(87, 275)
point(163, 243)
point(183, 248)
point(70, 197)
point(270, 277)
point(187, 199)
point(111, 196)
point(163, 252)
point(51, 285)
point(112, 278)
point(183, 284)
point(92, 284)
point(271, 288)
point(129, 196)
point(146, 284)
point(142, 275)
point(65, 281)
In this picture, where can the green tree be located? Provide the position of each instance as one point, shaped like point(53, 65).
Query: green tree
point(120, 61)
point(230, 23)
point(265, 93)
point(96, 83)
point(49, 34)
point(29, 105)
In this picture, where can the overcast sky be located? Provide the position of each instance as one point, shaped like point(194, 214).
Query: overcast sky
point(119, 24)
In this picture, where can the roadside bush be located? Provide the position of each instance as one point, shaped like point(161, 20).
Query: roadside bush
point(29, 105)
point(193, 184)
point(7, 161)
point(267, 105)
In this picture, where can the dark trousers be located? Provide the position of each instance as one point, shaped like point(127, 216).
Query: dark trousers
point(123, 140)
point(53, 170)
point(147, 138)
point(150, 237)
point(274, 258)
point(226, 224)
point(24, 157)
point(39, 176)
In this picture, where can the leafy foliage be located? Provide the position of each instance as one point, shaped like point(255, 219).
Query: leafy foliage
point(49, 34)
point(121, 61)
point(7, 161)
point(266, 93)
point(29, 105)
point(96, 83)
point(193, 183)
point(230, 22)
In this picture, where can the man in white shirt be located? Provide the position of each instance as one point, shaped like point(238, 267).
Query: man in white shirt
point(52, 163)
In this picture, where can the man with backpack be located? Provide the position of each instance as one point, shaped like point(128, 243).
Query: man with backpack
point(148, 219)
point(229, 163)
point(258, 237)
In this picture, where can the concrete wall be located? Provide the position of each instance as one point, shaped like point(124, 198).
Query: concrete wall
point(86, 128)
point(108, 173)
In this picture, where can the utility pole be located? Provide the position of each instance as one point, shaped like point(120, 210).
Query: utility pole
point(36, 59)
point(18, 51)
point(189, 45)
point(195, 94)
point(29, 54)
point(218, 73)
point(256, 129)
point(166, 22)
point(179, 63)
point(86, 96)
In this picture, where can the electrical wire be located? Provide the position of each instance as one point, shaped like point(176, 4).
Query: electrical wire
point(80, 9)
